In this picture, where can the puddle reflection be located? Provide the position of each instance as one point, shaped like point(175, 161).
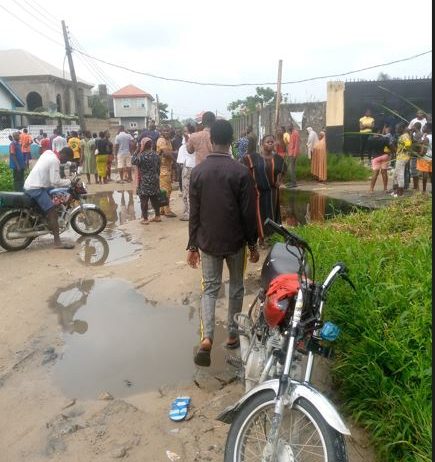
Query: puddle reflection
point(114, 336)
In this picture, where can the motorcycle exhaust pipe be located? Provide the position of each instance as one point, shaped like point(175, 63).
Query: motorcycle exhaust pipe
point(244, 347)
point(15, 235)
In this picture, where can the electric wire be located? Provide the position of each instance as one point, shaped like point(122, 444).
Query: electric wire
point(41, 17)
point(214, 84)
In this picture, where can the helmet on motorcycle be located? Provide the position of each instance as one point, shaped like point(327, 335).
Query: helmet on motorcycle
point(280, 298)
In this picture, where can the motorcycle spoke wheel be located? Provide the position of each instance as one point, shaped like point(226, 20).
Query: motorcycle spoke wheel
point(304, 435)
point(88, 222)
point(10, 223)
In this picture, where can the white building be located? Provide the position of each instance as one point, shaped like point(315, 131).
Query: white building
point(134, 107)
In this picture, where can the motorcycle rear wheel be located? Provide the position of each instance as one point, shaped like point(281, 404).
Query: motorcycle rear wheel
point(88, 222)
point(304, 436)
point(9, 223)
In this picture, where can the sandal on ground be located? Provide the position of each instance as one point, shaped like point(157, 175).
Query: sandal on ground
point(156, 220)
point(144, 222)
point(170, 215)
point(202, 357)
point(233, 345)
point(179, 408)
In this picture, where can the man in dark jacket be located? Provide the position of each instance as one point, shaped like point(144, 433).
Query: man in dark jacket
point(222, 222)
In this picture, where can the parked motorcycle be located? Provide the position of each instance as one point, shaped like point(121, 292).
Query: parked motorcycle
point(21, 219)
point(281, 417)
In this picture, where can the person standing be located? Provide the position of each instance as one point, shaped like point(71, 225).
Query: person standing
point(74, 144)
point(26, 141)
point(381, 159)
point(165, 151)
point(87, 157)
point(57, 144)
point(150, 132)
point(187, 161)
point(403, 154)
point(280, 145)
point(44, 144)
point(311, 142)
point(242, 145)
point(200, 143)
point(148, 188)
point(319, 160)
point(222, 222)
point(123, 147)
point(102, 153)
point(109, 147)
point(177, 141)
point(293, 151)
point(424, 163)
point(266, 170)
point(421, 118)
point(17, 162)
point(366, 126)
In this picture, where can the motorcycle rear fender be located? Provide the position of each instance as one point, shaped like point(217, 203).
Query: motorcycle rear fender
point(297, 390)
point(84, 206)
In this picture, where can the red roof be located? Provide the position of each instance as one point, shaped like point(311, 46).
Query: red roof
point(130, 91)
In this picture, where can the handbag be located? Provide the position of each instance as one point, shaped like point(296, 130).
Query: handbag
point(163, 198)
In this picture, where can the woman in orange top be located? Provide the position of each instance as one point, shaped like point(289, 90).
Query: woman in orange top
point(165, 151)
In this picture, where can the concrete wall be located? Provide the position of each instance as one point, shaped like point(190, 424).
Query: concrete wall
point(263, 122)
point(48, 88)
point(5, 99)
point(139, 107)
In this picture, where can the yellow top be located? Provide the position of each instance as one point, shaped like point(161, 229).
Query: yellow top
point(404, 147)
point(164, 146)
point(286, 138)
point(74, 144)
point(366, 124)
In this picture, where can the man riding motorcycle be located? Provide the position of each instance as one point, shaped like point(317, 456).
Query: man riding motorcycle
point(45, 176)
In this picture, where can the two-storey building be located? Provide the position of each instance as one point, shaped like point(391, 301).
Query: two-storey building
point(133, 107)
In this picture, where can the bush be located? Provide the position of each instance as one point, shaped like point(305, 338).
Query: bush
point(383, 364)
point(340, 168)
point(6, 179)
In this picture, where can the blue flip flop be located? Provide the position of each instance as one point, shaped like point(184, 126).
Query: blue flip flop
point(179, 408)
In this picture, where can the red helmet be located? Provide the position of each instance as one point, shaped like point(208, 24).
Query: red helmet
point(280, 298)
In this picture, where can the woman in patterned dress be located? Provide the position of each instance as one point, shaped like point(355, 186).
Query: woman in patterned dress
point(148, 166)
point(266, 169)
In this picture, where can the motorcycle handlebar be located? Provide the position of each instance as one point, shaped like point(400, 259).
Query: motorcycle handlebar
point(292, 238)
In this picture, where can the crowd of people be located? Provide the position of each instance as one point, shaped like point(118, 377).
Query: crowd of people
point(405, 148)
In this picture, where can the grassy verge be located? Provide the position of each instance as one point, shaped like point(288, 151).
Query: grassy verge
point(383, 365)
point(340, 168)
point(6, 180)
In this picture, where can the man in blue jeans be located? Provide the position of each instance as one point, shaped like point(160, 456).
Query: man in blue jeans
point(222, 223)
point(17, 162)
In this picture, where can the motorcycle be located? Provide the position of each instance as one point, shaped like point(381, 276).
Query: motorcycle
point(21, 219)
point(282, 417)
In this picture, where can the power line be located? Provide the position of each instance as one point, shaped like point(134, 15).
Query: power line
point(31, 27)
point(41, 18)
point(48, 12)
point(192, 82)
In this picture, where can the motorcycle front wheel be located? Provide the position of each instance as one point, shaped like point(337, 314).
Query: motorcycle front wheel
point(9, 223)
point(88, 222)
point(304, 436)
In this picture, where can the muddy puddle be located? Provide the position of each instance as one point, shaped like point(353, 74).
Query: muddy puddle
point(118, 342)
point(299, 208)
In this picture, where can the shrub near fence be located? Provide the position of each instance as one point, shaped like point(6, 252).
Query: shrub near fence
point(6, 179)
point(383, 364)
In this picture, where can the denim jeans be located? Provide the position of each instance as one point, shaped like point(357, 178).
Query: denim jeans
point(212, 267)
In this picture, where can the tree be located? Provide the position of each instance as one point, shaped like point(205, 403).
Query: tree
point(163, 111)
point(383, 76)
point(263, 97)
point(99, 109)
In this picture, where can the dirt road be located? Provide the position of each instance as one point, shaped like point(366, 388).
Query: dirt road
point(95, 343)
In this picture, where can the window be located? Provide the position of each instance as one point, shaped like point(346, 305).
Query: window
point(133, 124)
point(140, 103)
point(126, 104)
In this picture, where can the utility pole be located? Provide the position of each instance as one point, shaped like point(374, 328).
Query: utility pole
point(158, 111)
point(78, 102)
point(172, 114)
point(278, 94)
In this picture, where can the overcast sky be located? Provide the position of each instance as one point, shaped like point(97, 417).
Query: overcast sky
point(225, 41)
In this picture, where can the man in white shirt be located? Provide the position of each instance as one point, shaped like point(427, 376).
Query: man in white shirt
point(58, 143)
point(188, 161)
point(123, 147)
point(421, 117)
point(45, 176)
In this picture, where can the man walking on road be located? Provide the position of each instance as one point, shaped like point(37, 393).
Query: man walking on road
point(222, 222)
point(123, 147)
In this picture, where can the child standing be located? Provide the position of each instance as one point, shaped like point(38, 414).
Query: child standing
point(148, 166)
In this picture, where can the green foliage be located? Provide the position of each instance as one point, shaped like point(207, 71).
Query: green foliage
point(163, 111)
point(6, 179)
point(383, 366)
point(263, 97)
point(99, 108)
point(340, 168)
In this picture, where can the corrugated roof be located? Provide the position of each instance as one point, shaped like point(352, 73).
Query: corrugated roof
point(131, 91)
point(21, 63)
point(18, 101)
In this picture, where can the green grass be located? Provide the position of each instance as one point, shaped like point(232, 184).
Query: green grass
point(6, 179)
point(340, 168)
point(383, 365)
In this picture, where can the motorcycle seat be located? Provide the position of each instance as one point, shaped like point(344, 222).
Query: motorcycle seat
point(278, 261)
point(16, 200)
